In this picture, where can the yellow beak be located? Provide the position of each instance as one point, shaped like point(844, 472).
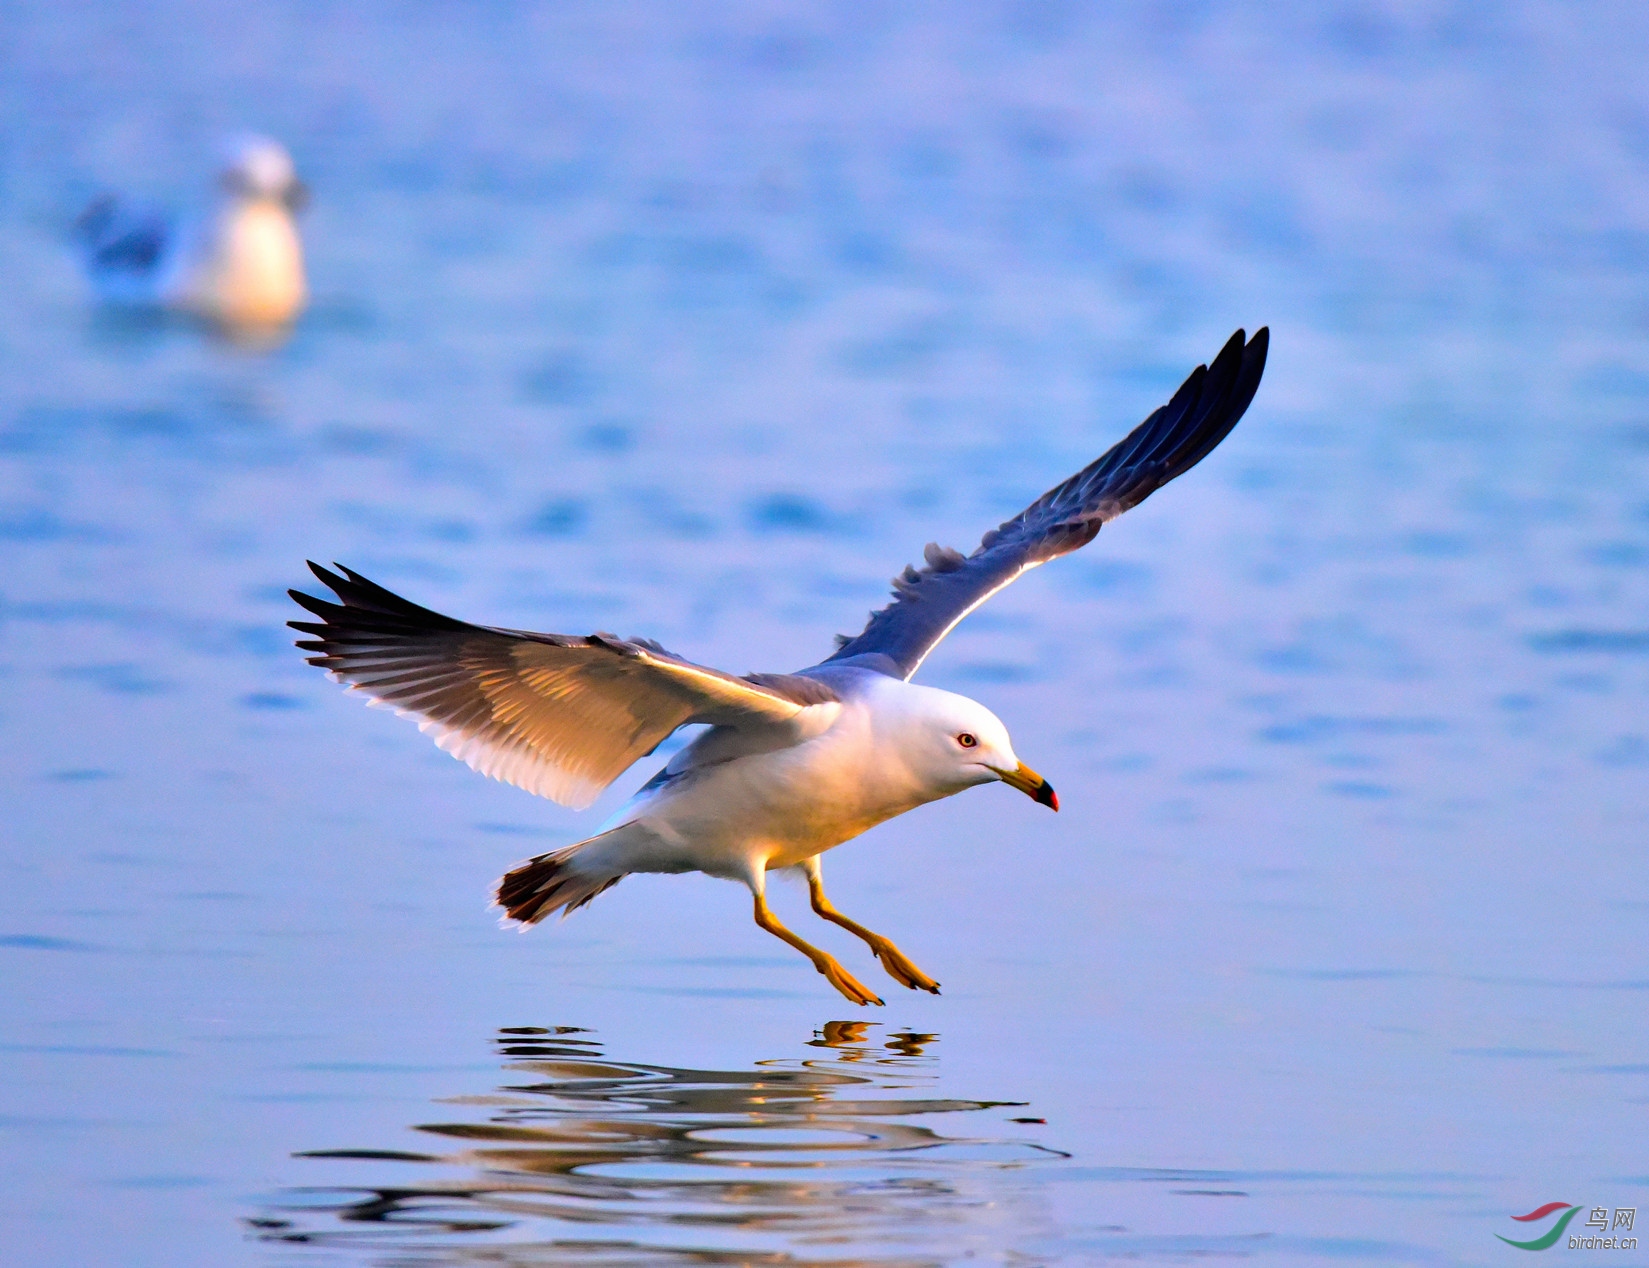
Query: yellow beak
point(1032, 785)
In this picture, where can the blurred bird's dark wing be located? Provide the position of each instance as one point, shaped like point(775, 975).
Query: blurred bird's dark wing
point(560, 716)
point(929, 601)
point(120, 239)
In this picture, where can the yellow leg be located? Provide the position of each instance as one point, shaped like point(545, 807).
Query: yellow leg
point(895, 961)
point(834, 973)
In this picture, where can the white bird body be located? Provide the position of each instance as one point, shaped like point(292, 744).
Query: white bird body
point(793, 764)
point(881, 750)
point(247, 269)
point(240, 265)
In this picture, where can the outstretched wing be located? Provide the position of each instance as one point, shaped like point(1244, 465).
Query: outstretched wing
point(559, 716)
point(928, 602)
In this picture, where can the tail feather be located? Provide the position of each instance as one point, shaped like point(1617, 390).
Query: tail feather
point(549, 883)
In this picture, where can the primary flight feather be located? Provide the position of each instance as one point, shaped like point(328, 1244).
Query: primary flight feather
point(792, 764)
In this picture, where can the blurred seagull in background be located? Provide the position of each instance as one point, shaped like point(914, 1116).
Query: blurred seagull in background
point(792, 764)
point(240, 266)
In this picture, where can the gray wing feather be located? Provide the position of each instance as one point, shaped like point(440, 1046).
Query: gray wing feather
point(929, 601)
point(559, 716)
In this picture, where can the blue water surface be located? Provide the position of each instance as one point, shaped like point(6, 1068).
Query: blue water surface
point(696, 322)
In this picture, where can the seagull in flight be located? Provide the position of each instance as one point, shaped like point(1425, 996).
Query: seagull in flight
point(240, 266)
point(792, 764)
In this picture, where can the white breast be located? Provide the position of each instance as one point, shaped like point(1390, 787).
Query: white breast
point(252, 271)
point(777, 807)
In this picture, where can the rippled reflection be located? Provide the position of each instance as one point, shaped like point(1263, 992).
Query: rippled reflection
point(831, 1158)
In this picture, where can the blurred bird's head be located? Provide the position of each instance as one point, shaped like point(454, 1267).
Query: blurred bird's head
point(256, 167)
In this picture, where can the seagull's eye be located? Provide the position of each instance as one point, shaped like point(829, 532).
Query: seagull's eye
point(968, 740)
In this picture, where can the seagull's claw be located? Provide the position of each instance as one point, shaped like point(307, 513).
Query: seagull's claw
point(900, 969)
point(846, 983)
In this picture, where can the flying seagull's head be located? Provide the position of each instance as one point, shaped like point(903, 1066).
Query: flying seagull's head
point(956, 743)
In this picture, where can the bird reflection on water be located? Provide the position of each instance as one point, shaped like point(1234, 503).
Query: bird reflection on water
point(592, 1160)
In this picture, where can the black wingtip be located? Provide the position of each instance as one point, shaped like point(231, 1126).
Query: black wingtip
point(1201, 414)
point(310, 601)
point(366, 604)
point(1248, 377)
point(1258, 347)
